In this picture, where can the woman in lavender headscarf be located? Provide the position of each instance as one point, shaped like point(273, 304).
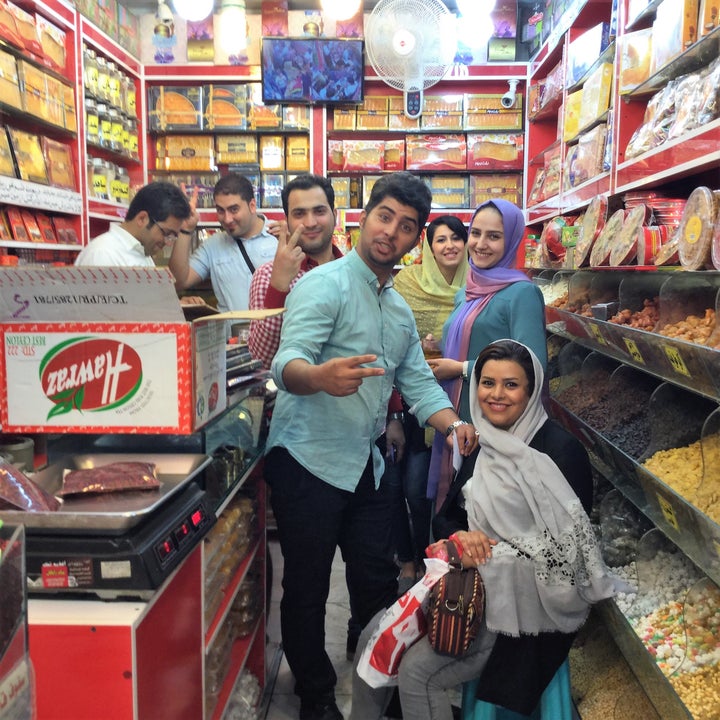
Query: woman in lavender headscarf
point(498, 301)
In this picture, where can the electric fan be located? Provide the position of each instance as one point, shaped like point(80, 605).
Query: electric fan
point(411, 45)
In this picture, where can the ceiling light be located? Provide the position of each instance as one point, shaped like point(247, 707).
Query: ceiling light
point(340, 9)
point(233, 26)
point(164, 12)
point(193, 10)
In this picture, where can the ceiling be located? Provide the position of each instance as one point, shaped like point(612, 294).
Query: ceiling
point(254, 6)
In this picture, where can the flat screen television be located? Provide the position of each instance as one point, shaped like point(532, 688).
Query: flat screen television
point(312, 70)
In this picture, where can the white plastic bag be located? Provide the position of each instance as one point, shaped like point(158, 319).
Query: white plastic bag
point(402, 624)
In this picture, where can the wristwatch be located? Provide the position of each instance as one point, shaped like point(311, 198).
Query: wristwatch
point(451, 428)
point(400, 416)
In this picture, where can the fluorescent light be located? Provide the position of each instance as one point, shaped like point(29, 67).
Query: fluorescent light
point(193, 10)
point(340, 9)
point(233, 26)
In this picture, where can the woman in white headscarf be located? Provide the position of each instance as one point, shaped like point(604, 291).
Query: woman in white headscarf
point(519, 510)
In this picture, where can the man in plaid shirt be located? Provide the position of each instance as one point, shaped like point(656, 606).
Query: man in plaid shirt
point(305, 243)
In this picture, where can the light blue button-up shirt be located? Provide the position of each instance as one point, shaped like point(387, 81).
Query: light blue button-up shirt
point(336, 311)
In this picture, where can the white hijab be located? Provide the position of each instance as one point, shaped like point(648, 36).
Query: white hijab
point(546, 569)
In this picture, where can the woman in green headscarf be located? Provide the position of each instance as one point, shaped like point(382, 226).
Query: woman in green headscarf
point(429, 288)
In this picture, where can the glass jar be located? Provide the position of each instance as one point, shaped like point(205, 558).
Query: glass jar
point(92, 122)
point(125, 135)
point(110, 172)
point(130, 98)
point(99, 179)
point(103, 79)
point(89, 175)
point(124, 90)
point(121, 186)
point(133, 138)
point(90, 72)
point(113, 85)
point(104, 126)
point(116, 130)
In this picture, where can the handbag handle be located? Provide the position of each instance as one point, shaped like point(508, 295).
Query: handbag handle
point(453, 555)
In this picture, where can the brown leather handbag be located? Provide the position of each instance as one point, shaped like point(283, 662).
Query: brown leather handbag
point(456, 607)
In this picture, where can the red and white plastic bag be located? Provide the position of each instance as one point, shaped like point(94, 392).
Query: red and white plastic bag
point(402, 624)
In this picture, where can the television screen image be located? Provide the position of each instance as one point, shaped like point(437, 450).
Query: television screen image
point(312, 70)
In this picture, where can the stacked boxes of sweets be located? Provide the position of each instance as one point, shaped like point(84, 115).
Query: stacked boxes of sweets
point(175, 107)
point(442, 112)
point(372, 114)
point(25, 86)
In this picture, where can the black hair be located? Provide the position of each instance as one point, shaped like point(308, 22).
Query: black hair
point(507, 350)
point(455, 224)
point(235, 184)
point(407, 189)
point(308, 181)
point(159, 200)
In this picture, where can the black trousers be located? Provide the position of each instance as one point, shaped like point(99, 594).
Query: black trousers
point(313, 519)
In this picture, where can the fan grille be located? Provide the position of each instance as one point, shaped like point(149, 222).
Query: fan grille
point(410, 41)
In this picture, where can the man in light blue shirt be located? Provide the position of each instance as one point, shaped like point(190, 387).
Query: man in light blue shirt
point(347, 338)
point(228, 258)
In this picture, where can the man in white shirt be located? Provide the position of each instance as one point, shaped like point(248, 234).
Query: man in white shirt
point(155, 217)
point(229, 258)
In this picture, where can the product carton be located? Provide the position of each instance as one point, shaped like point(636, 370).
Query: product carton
point(596, 95)
point(101, 350)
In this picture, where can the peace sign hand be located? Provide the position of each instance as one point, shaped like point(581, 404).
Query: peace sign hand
point(288, 258)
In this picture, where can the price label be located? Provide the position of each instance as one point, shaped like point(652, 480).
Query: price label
point(595, 330)
point(634, 351)
point(675, 358)
point(668, 511)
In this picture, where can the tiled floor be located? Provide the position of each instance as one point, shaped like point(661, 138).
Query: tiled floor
point(284, 704)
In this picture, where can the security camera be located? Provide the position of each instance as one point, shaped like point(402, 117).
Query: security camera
point(508, 99)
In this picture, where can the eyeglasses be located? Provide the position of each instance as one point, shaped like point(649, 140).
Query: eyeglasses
point(169, 235)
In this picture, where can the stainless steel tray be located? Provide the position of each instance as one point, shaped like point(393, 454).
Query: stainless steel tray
point(108, 511)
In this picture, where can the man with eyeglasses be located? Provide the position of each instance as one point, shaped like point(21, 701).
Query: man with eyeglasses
point(155, 217)
point(229, 258)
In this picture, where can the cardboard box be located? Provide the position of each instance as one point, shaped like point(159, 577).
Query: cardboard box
point(341, 187)
point(225, 106)
point(442, 112)
point(486, 151)
point(584, 51)
point(373, 114)
point(635, 55)
point(448, 191)
point(128, 30)
point(394, 154)
point(9, 81)
point(344, 118)
point(272, 153)
point(236, 149)
point(173, 107)
point(335, 155)
point(436, 152)
point(571, 112)
point(33, 87)
point(184, 152)
point(501, 49)
point(596, 95)
point(674, 31)
point(297, 153)
point(397, 119)
point(485, 112)
point(296, 117)
point(495, 186)
point(106, 350)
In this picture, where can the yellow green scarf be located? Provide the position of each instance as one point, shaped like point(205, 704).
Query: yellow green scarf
point(427, 292)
